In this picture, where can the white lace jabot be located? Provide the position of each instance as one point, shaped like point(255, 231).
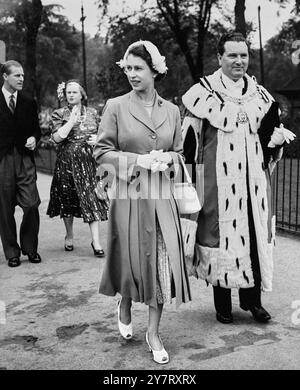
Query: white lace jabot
point(234, 87)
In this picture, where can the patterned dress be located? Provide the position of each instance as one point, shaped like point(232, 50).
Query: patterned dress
point(74, 188)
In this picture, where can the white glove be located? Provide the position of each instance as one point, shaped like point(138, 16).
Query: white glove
point(162, 159)
point(145, 160)
point(161, 156)
point(159, 166)
point(64, 131)
point(281, 135)
point(75, 114)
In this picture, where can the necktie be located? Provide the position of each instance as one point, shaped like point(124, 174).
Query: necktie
point(12, 103)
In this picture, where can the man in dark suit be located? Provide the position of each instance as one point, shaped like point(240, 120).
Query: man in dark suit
point(19, 134)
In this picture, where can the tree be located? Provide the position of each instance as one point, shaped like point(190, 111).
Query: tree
point(282, 3)
point(58, 53)
point(12, 37)
point(29, 15)
point(188, 21)
point(240, 8)
point(56, 49)
point(239, 16)
point(111, 79)
point(278, 52)
point(24, 17)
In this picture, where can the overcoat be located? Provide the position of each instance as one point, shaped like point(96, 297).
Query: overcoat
point(126, 131)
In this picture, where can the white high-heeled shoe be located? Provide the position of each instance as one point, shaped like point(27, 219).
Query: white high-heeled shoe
point(160, 357)
point(125, 330)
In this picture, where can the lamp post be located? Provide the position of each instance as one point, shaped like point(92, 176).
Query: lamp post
point(2, 52)
point(261, 51)
point(82, 19)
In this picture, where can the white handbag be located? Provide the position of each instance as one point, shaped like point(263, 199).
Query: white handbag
point(186, 194)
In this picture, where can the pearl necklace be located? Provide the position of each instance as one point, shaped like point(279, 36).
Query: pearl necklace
point(150, 103)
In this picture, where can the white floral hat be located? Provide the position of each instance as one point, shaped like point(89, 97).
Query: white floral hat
point(158, 61)
point(60, 90)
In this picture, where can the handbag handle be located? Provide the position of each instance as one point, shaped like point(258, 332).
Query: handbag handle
point(188, 177)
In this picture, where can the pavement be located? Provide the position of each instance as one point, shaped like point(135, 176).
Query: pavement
point(53, 318)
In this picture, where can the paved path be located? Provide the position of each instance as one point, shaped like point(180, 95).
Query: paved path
point(55, 318)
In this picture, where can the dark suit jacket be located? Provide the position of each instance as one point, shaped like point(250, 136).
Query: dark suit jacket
point(267, 125)
point(16, 128)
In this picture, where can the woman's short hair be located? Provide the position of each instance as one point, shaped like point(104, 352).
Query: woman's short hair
point(232, 36)
point(82, 91)
point(140, 51)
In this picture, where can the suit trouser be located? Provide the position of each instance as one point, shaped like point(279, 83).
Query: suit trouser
point(18, 187)
point(249, 297)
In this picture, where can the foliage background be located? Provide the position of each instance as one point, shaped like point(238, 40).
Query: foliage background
point(183, 37)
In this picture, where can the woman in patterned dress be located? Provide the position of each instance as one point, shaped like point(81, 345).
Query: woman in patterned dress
point(75, 191)
point(138, 142)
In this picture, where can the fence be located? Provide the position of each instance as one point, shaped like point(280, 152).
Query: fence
point(286, 191)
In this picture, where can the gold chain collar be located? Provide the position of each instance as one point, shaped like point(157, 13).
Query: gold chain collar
point(238, 101)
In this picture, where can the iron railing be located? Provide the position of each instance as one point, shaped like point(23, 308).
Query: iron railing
point(286, 192)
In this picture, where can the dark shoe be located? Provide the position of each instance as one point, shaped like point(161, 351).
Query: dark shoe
point(225, 319)
point(259, 313)
point(34, 258)
point(98, 252)
point(68, 244)
point(14, 262)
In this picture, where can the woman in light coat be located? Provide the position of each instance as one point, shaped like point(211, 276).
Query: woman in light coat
point(138, 142)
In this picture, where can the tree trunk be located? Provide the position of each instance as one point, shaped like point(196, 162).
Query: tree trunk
point(183, 44)
point(239, 13)
point(173, 17)
point(199, 60)
point(32, 13)
point(30, 63)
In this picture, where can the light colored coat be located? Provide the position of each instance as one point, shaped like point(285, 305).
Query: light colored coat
point(126, 131)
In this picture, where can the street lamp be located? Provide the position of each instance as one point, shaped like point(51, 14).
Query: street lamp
point(2, 52)
point(262, 81)
point(82, 19)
